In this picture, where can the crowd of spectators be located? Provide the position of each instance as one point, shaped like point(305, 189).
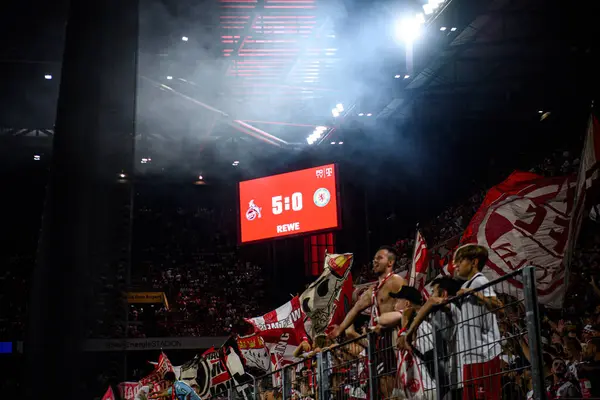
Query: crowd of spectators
point(190, 255)
point(183, 250)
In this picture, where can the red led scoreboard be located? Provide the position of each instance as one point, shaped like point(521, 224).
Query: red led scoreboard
point(289, 204)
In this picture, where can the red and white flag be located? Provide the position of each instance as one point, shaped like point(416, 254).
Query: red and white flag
point(525, 221)
point(418, 271)
point(109, 395)
point(282, 330)
point(254, 351)
point(587, 179)
point(155, 378)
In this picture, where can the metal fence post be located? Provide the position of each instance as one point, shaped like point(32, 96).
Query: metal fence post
point(322, 377)
point(372, 365)
point(533, 332)
point(254, 389)
point(438, 344)
point(285, 384)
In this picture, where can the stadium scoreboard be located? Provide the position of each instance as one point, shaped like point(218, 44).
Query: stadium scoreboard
point(288, 204)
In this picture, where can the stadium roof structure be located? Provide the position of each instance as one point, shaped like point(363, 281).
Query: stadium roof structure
point(270, 72)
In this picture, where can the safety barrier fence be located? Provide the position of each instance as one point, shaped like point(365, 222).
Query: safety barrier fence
point(482, 344)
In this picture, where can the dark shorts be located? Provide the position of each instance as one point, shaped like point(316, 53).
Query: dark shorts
point(386, 360)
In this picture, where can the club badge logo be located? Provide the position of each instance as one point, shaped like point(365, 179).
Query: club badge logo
point(321, 197)
point(253, 211)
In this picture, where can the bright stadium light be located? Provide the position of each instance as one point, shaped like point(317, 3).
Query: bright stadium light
point(420, 18)
point(48, 77)
point(408, 30)
point(427, 9)
point(397, 76)
point(184, 38)
point(169, 77)
point(340, 107)
point(320, 129)
point(335, 113)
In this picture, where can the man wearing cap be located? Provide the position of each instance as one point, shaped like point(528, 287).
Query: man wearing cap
point(408, 303)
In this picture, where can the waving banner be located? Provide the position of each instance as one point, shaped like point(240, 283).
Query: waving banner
point(282, 330)
point(525, 221)
point(207, 372)
point(129, 390)
point(329, 295)
point(254, 351)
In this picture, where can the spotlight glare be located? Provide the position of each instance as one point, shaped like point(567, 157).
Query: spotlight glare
point(396, 76)
point(443, 28)
point(200, 177)
point(340, 142)
point(169, 77)
point(332, 142)
point(453, 29)
point(420, 18)
point(406, 76)
point(408, 30)
point(335, 113)
point(361, 114)
point(320, 128)
point(427, 9)
point(369, 114)
point(184, 38)
point(48, 77)
point(340, 107)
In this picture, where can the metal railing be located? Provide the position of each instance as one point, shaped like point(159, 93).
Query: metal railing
point(468, 348)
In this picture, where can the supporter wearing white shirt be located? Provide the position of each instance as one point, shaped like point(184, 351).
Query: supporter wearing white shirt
point(478, 333)
point(409, 301)
point(445, 320)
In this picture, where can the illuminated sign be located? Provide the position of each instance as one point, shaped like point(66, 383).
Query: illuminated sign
point(288, 204)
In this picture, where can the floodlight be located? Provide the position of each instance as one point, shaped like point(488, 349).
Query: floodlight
point(335, 113)
point(340, 107)
point(408, 30)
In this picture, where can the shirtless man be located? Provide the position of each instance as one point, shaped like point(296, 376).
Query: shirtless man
point(387, 282)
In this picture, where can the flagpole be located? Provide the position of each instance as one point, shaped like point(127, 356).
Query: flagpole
point(412, 278)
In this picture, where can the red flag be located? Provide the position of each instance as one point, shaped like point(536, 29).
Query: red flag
point(525, 221)
point(155, 378)
point(418, 272)
point(109, 395)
